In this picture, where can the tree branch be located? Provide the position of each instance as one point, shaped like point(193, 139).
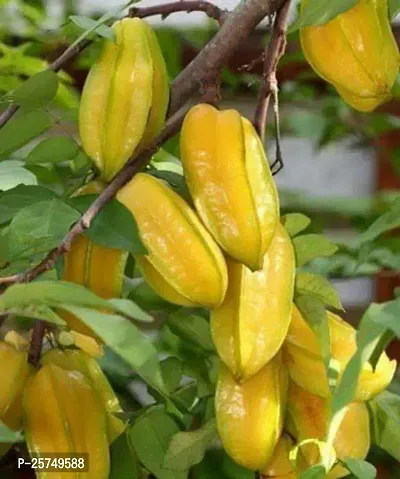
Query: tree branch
point(35, 346)
point(233, 32)
point(187, 6)
point(273, 53)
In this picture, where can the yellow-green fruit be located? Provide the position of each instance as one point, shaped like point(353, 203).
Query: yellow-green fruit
point(308, 417)
point(250, 414)
point(306, 368)
point(74, 360)
point(183, 265)
point(63, 414)
point(125, 97)
point(14, 373)
point(230, 181)
point(96, 267)
point(279, 465)
point(249, 327)
point(356, 52)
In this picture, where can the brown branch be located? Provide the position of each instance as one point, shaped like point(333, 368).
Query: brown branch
point(188, 6)
point(35, 347)
point(134, 166)
point(273, 53)
point(218, 50)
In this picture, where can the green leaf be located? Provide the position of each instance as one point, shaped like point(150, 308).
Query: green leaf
point(8, 435)
point(172, 371)
point(188, 448)
point(21, 129)
point(314, 472)
point(319, 12)
point(150, 436)
point(318, 286)
point(359, 468)
point(125, 339)
point(368, 338)
point(313, 311)
point(50, 293)
point(385, 413)
point(18, 198)
point(308, 247)
point(87, 23)
point(387, 315)
point(123, 459)
point(386, 222)
point(38, 312)
point(191, 328)
point(12, 174)
point(39, 228)
point(53, 150)
point(394, 8)
point(37, 91)
point(131, 310)
point(294, 223)
point(114, 226)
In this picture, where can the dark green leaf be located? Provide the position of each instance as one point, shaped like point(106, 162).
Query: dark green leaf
point(318, 286)
point(150, 436)
point(53, 150)
point(21, 129)
point(50, 293)
point(37, 91)
point(359, 468)
point(172, 371)
point(294, 223)
point(385, 412)
point(387, 315)
point(394, 8)
point(87, 23)
point(114, 227)
point(9, 436)
point(12, 174)
point(308, 247)
point(191, 328)
point(388, 221)
point(123, 459)
point(188, 448)
point(313, 311)
point(18, 198)
point(314, 472)
point(39, 228)
point(125, 339)
point(318, 12)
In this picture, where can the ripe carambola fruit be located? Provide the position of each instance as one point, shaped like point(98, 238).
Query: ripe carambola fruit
point(96, 267)
point(14, 373)
point(183, 265)
point(230, 181)
point(308, 417)
point(74, 360)
point(305, 363)
point(251, 324)
point(250, 414)
point(64, 414)
point(125, 97)
point(356, 52)
point(279, 466)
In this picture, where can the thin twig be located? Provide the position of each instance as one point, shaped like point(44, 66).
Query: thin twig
point(269, 86)
point(189, 6)
point(218, 50)
point(35, 347)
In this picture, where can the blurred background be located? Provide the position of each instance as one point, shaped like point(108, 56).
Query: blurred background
point(342, 168)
